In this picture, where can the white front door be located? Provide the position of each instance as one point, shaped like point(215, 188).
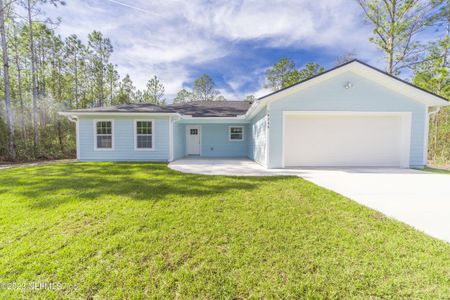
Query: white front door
point(193, 140)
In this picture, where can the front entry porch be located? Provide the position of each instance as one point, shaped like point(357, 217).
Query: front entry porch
point(220, 166)
point(228, 166)
point(210, 139)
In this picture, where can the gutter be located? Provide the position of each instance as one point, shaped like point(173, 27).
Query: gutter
point(72, 118)
point(76, 114)
point(437, 109)
point(190, 117)
point(252, 108)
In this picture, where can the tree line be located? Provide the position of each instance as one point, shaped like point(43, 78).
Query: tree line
point(397, 25)
point(44, 73)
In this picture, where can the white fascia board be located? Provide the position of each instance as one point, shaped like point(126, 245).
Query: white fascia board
point(237, 119)
point(213, 118)
point(304, 85)
point(260, 104)
point(112, 114)
point(254, 109)
point(398, 86)
point(367, 72)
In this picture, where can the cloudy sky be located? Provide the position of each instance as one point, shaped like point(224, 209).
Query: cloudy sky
point(234, 41)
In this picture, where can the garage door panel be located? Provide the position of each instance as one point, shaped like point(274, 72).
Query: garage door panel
point(343, 140)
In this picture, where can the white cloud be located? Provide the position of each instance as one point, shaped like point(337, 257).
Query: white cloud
point(171, 37)
point(300, 23)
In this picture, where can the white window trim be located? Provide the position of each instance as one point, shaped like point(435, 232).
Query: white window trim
point(112, 135)
point(229, 133)
point(136, 135)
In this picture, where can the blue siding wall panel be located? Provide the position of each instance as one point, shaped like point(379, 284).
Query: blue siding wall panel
point(179, 140)
point(123, 135)
point(330, 95)
point(258, 137)
point(216, 143)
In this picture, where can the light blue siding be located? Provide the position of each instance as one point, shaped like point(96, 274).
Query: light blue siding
point(330, 95)
point(216, 143)
point(124, 137)
point(214, 139)
point(258, 137)
point(179, 140)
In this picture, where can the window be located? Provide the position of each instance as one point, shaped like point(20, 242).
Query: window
point(103, 135)
point(237, 133)
point(144, 135)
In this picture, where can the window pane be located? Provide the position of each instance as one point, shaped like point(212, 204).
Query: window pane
point(104, 141)
point(144, 141)
point(193, 131)
point(236, 133)
point(236, 130)
point(104, 127)
point(144, 127)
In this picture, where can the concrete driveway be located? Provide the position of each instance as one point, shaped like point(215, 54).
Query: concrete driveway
point(420, 199)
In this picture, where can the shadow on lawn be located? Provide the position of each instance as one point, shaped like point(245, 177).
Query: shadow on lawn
point(51, 186)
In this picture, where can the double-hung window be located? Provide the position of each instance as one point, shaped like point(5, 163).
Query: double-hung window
point(236, 133)
point(103, 135)
point(144, 135)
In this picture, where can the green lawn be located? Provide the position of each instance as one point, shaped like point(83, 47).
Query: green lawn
point(134, 230)
point(435, 170)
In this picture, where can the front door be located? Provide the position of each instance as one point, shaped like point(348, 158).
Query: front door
point(193, 140)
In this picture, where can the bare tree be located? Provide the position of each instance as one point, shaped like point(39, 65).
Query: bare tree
point(34, 90)
point(16, 46)
point(7, 85)
point(30, 6)
point(396, 24)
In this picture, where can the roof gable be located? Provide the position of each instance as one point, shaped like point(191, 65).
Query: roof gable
point(368, 72)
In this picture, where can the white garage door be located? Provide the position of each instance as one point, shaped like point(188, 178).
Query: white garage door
point(346, 139)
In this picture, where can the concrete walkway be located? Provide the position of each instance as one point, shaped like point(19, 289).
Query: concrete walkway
point(420, 199)
point(225, 166)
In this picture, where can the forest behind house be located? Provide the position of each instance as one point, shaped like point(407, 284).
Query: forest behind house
point(43, 73)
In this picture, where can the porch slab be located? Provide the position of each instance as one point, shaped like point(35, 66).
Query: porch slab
point(220, 166)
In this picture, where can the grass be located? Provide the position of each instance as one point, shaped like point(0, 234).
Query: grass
point(135, 230)
point(436, 170)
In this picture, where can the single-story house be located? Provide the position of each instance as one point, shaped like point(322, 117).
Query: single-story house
point(351, 115)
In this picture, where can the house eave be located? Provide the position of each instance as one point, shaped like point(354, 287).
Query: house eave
point(190, 117)
point(129, 114)
point(398, 85)
point(254, 109)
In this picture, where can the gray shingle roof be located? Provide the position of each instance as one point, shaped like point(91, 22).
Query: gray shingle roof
point(195, 108)
point(134, 107)
point(212, 108)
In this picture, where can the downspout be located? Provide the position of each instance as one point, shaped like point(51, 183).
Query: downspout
point(437, 109)
point(77, 134)
point(429, 114)
point(171, 140)
point(72, 119)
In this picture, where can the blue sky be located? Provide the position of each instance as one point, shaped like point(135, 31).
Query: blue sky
point(232, 41)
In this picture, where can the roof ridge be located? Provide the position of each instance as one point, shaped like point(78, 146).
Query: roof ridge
point(347, 63)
